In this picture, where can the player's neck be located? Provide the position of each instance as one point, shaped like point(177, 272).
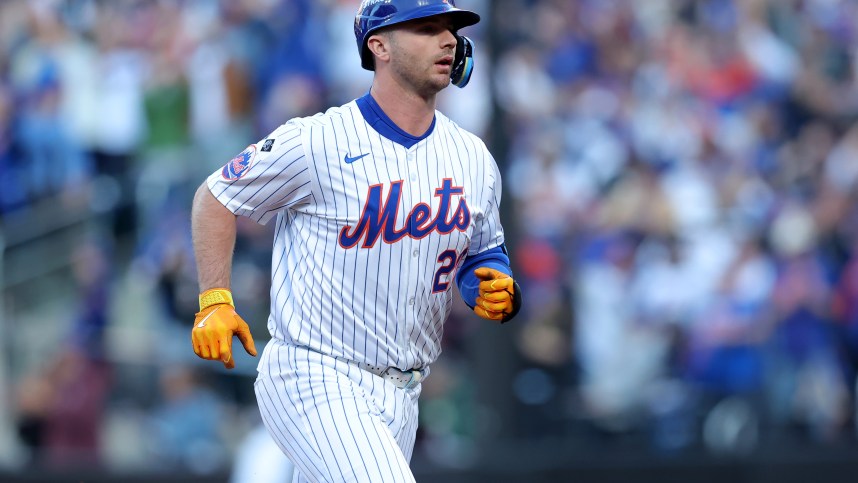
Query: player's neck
point(411, 113)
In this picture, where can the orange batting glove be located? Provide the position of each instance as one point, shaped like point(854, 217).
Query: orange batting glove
point(214, 326)
point(499, 297)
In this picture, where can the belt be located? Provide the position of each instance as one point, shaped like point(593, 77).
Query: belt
point(401, 379)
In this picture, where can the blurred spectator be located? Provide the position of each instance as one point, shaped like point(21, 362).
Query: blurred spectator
point(61, 410)
point(187, 424)
point(62, 404)
point(50, 160)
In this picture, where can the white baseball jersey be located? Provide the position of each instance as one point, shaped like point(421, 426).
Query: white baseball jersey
point(372, 224)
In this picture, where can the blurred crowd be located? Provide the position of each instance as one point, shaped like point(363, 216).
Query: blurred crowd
point(684, 176)
point(113, 113)
point(680, 180)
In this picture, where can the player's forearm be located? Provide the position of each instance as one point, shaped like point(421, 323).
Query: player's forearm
point(213, 231)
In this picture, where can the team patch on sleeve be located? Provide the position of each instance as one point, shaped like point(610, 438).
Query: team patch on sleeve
point(239, 165)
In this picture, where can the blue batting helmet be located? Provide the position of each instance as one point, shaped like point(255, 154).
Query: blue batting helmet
point(375, 14)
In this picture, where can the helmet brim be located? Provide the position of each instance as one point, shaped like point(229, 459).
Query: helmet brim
point(461, 18)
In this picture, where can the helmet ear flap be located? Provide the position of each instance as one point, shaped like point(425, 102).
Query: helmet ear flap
point(463, 61)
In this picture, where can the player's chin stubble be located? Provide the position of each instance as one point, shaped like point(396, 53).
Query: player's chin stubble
point(426, 82)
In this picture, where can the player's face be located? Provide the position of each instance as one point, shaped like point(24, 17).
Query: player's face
point(421, 53)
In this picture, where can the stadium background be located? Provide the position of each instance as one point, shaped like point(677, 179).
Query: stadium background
point(681, 197)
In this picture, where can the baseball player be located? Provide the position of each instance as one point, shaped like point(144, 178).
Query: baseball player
point(380, 206)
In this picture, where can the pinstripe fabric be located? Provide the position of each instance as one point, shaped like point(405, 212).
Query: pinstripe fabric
point(371, 226)
point(374, 304)
point(334, 421)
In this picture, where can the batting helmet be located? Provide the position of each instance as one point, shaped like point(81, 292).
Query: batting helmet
point(375, 14)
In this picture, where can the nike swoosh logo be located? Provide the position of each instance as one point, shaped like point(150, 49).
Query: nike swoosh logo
point(203, 322)
point(350, 160)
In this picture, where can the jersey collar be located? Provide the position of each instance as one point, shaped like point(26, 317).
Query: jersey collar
point(379, 121)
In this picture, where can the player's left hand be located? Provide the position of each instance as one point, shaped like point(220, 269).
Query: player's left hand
point(498, 298)
point(213, 330)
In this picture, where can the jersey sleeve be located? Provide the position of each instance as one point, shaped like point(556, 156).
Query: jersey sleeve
point(266, 177)
point(488, 232)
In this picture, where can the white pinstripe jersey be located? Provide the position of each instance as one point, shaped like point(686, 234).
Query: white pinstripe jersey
point(372, 224)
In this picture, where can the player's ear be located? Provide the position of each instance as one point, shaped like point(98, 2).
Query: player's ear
point(379, 45)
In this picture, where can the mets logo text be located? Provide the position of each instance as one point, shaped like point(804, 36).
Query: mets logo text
point(239, 165)
point(379, 220)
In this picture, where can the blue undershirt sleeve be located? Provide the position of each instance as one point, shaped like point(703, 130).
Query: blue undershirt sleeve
point(468, 283)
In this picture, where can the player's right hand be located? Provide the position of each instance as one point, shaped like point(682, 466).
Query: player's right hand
point(212, 334)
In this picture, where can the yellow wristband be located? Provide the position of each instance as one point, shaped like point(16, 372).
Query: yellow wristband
point(214, 296)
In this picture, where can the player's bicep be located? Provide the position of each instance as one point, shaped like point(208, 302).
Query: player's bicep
point(488, 231)
point(266, 177)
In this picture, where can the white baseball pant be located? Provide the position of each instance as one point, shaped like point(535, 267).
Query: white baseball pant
point(335, 421)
